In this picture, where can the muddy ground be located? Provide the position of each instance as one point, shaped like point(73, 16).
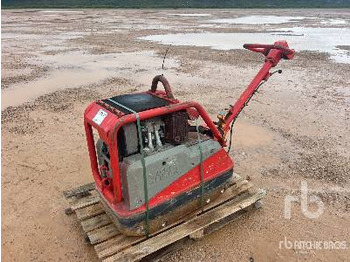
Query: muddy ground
point(295, 129)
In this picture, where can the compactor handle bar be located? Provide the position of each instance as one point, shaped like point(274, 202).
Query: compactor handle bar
point(273, 54)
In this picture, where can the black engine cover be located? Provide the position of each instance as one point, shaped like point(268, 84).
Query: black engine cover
point(136, 102)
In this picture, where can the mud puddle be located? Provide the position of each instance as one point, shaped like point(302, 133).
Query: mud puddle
point(300, 38)
point(76, 69)
point(259, 20)
point(191, 15)
point(334, 22)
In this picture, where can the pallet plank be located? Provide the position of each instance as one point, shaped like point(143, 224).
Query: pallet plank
point(95, 222)
point(84, 202)
point(79, 190)
point(108, 243)
point(157, 242)
point(89, 211)
point(223, 222)
point(162, 254)
point(103, 233)
point(229, 194)
point(116, 244)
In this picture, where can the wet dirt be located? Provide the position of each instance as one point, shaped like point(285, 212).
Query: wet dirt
point(55, 62)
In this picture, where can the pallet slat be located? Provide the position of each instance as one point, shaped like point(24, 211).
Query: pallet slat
point(230, 193)
point(115, 245)
point(103, 233)
point(95, 222)
point(89, 211)
point(84, 202)
point(157, 242)
point(79, 190)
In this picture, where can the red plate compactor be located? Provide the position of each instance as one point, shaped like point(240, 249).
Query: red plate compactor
point(153, 161)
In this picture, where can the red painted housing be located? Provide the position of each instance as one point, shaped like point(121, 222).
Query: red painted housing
point(215, 165)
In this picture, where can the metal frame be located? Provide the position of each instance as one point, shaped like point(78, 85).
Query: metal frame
point(112, 128)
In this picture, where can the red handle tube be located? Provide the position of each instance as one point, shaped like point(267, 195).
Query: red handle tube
point(273, 54)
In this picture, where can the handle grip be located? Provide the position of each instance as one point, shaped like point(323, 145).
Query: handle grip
point(265, 49)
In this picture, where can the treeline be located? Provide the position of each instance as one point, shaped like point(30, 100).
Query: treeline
point(175, 4)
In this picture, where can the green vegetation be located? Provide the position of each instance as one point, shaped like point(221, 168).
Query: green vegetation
point(175, 4)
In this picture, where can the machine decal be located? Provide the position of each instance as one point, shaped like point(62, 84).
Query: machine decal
point(99, 117)
point(169, 169)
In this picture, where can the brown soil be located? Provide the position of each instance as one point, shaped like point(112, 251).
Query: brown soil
point(295, 129)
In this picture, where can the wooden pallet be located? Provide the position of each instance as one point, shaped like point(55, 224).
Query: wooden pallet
point(111, 245)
